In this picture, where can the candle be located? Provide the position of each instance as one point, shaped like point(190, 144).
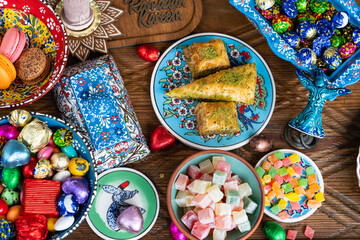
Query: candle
point(77, 14)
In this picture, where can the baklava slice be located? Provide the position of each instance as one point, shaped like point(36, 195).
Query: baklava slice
point(236, 84)
point(204, 58)
point(217, 118)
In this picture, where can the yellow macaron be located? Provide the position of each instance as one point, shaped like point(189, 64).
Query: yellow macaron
point(7, 72)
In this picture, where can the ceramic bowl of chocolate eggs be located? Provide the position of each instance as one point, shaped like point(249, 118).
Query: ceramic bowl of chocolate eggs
point(48, 177)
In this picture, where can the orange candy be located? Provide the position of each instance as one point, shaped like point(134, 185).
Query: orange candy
point(271, 194)
point(299, 190)
point(293, 182)
point(314, 187)
point(279, 193)
point(13, 213)
point(273, 159)
point(313, 204)
point(312, 179)
point(309, 194)
point(276, 185)
point(266, 165)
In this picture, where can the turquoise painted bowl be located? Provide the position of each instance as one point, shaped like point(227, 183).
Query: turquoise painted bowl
point(240, 167)
point(82, 148)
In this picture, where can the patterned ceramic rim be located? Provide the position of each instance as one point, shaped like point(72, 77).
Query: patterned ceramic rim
point(82, 218)
point(179, 137)
point(182, 164)
point(318, 173)
point(60, 64)
point(88, 220)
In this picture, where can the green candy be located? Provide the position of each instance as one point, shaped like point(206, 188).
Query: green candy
point(274, 231)
point(11, 177)
point(319, 6)
point(11, 197)
point(301, 5)
point(337, 41)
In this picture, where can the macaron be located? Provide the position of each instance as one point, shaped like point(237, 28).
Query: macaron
point(33, 66)
point(7, 72)
point(13, 44)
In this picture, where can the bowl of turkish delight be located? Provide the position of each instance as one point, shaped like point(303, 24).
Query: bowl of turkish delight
point(215, 194)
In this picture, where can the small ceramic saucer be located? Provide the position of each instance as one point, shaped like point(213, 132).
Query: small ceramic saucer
point(122, 186)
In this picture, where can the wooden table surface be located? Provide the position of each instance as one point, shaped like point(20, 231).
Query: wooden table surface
point(338, 218)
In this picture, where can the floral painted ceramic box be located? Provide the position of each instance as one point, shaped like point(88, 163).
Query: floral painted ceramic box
point(92, 97)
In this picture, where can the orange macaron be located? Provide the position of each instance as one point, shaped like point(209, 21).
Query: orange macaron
point(7, 72)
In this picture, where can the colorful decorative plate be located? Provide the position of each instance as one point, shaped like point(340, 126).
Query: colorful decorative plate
point(122, 187)
point(178, 116)
point(305, 211)
point(43, 29)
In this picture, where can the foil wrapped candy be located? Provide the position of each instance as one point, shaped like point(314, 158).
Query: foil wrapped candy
point(35, 135)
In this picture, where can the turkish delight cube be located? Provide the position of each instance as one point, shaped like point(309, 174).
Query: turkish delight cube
point(223, 209)
point(200, 230)
point(200, 186)
point(189, 219)
point(245, 190)
point(239, 217)
point(249, 205)
point(206, 216)
point(194, 172)
point(206, 166)
point(215, 193)
point(181, 182)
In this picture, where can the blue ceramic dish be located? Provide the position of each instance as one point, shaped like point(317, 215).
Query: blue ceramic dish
point(348, 73)
point(178, 116)
point(82, 149)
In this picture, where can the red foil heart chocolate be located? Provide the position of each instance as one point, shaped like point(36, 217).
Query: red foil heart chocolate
point(161, 139)
point(148, 53)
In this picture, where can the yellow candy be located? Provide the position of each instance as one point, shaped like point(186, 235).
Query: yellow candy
point(78, 166)
point(262, 181)
point(267, 201)
point(282, 203)
point(319, 197)
point(267, 178)
point(51, 224)
point(295, 158)
point(293, 197)
point(291, 171)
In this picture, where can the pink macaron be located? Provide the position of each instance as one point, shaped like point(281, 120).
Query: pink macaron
point(13, 44)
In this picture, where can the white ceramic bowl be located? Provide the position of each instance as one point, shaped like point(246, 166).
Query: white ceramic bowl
point(304, 213)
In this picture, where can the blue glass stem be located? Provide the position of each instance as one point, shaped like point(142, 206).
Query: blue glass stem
point(309, 121)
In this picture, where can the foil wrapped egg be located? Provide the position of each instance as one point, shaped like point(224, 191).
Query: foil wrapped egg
point(19, 117)
point(78, 166)
point(35, 135)
point(67, 205)
point(43, 169)
point(59, 161)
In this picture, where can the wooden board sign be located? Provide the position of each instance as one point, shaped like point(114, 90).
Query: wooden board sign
point(145, 21)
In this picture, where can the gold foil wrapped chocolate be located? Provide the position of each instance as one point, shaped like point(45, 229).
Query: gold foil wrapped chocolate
point(35, 135)
point(43, 169)
point(19, 118)
point(59, 161)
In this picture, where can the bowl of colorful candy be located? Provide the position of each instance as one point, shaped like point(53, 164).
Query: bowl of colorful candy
point(48, 177)
point(215, 193)
point(27, 74)
point(311, 34)
point(293, 185)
